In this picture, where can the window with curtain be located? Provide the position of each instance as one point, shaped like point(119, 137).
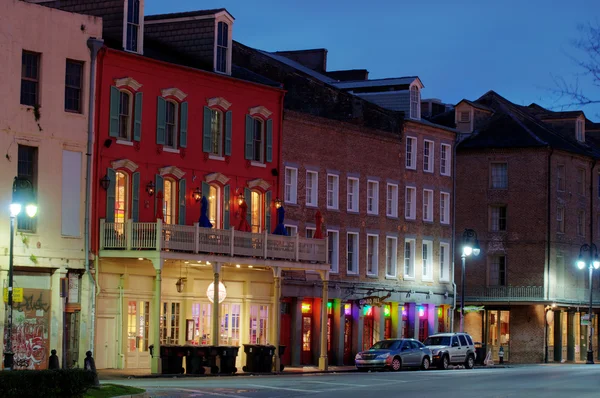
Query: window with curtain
point(256, 211)
point(170, 201)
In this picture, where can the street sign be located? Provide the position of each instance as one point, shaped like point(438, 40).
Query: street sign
point(17, 295)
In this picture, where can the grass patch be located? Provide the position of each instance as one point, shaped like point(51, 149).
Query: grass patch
point(111, 390)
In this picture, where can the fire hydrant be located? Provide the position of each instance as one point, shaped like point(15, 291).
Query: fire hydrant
point(501, 355)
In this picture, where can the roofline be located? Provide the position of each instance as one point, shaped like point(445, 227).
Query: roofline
point(171, 17)
point(474, 104)
point(432, 125)
point(348, 84)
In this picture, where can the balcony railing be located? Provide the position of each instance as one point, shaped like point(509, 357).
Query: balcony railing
point(195, 239)
point(573, 294)
point(504, 293)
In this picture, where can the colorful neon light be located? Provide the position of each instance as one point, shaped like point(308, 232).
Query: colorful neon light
point(306, 307)
point(440, 312)
point(421, 311)
point(329, 305)
point(386, 311)
point(367, 310)
point(404, 312)
point(347, 309)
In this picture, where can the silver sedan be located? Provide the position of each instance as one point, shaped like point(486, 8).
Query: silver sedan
point(394, 354)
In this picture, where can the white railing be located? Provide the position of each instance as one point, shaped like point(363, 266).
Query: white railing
point(502, 293)
point(196, 239)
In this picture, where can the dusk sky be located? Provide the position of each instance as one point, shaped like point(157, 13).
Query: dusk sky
point(459, 48)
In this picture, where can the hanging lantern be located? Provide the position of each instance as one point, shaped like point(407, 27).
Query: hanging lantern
point(105, 182)
point(150, 188)
point(197, 195)
point(180, 284)
point(278, 203)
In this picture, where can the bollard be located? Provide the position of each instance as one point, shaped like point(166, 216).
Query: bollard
point(90, 365)
point(501, 355)
point(53, 361)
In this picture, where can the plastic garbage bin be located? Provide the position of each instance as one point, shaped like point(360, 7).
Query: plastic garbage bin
point(252, 352)
point(266, 361)
point(479, 353)
point(281, 352)
point(222, 359)
point(196, 358)
point(171, 358)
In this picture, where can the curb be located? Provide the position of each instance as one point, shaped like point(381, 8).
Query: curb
point(141, 395)
point(183, 376)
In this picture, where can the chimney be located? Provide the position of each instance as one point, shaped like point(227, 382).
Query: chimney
point(349, 75)
point(315, 59)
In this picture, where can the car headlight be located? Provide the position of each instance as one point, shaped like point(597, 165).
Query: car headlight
point(383, 356)
point(358, 356)
point(434, 352)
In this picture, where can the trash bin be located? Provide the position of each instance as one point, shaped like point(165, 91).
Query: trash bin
point(252, 352)
point(171, 358)
point(196, 358)
point(479, 353)
point(266, 361)
point(222, 359)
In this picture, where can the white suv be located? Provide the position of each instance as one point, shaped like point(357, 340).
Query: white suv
point(451, 349)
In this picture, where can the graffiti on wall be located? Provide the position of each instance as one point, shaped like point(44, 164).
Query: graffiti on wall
point(31, 330)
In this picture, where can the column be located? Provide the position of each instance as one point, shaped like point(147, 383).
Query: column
point(3, 284)
point(339, 325)
point(324, 298)
point(315, 343)
point(357, 328)
point(397, 323)
point(432, 319)
point(277, 316)
point(413, 319)
point(215, 305)
point(57, 311)
point(244, 325)
point(155, 365)
point(296, 331)
point(557, 336)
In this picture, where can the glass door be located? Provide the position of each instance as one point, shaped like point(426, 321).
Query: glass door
point(169, 323)
point(201, 315)
point(230, 324)
point(499, 333)
point(138, 326)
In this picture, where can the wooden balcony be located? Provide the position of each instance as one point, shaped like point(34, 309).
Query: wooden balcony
point(195, 239)
point(504, 293)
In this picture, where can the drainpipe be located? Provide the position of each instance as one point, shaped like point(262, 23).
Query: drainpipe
point(592, 202)
point(94, 45)
point(456, 141)
point(548, 249)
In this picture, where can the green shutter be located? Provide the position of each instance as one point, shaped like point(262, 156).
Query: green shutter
point(268, 211)
point(207, 132)
point(228, 133)
point(137, 124)
point(249, 137)
point(248, 198)
point(115, 107)
point(161, 121)
point(269, 140)
point(226, 207)
point(160, 187)
point(135, 197)
point(183, 130)
point(110, 195)
point(182, 200)
point(205, 189)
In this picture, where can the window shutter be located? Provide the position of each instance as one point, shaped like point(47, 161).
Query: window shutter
point(228, 133)
point(226, 207)
point(137, 124)
point(161, 121)
point(115, 107)
point(269, 140)
point(268, 211)
point(248, 198)
point(160, 187)
point(182, 200)
point(207, 133)
point(183, 130)
point(135, 197)
point(110, 195)
point(205, 189)
point(249, 137)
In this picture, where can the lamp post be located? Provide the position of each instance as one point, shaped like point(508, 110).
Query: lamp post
point(470, 245)
point(22, 194)
point(594, 264)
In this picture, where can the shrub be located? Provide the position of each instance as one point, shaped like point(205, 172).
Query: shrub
point(69, 383)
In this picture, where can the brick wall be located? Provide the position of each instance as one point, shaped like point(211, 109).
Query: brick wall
point(527, 334)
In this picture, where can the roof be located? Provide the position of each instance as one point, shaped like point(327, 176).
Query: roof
point(188, 14)
point(299, 66)
point(392, 81)
point(475, 105)
point(543, 113)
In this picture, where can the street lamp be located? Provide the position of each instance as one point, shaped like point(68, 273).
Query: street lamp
point(22, 195)
point(470, 245)
point(594, 264)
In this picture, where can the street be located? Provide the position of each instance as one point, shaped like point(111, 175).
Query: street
point(520, 381)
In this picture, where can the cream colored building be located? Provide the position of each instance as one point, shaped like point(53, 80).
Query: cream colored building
point(45, 68)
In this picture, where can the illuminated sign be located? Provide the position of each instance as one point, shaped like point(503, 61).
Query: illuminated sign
point(210, 292)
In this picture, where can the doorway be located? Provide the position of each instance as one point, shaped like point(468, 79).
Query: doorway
point(499, 333)
point(348, 358)
point(285, 336)
point(306, 340)
point(368, 324)
point(138, 327)
point(106, 343)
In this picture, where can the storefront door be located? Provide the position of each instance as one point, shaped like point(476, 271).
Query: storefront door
point(285, 336)
point(169, 323)
point(348, 358)
point(138, 326)
point(306, 340)
point(230, 324)
point(499, 333)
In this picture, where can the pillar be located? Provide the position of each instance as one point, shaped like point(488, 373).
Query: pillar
point(277, 316)
point(379, 322)
point(396, 315)
point(570, 336)
point(432, 319)
point(339, 325)
point(557, 336)
point(155, 366)
point(357, 328)
point(296, 344)
point(413, 319)
point(3, 284)
point(324, 298)
point(215, 305)
point(315, 343)
point(57, 311)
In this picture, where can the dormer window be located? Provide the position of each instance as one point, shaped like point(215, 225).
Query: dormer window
point(580, 130)
point(415, 102)
point(222, 46)
point(133, 37)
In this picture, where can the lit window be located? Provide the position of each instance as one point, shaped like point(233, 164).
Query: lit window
point(170, 201)
point(216, 127)
point(256, 211)
point(214, 206)
point(121, 197)
point(499, 175)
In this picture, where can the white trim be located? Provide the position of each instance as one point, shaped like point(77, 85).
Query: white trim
point(413, 203)
point(418, 88)
point(173, 92)
point(124, 164)
point(140, 41)
point(375, 209)
point(218, 101)
point(335, 192)
point(427, 264)
point(314, 187)
point(431, 156)
point(170, 150)
point(394, 206)
point(293, 183)
point(181, 19)
point(354, 254)
point(223, 16)
point(257, 164)
point(413, 153)
point(124, 142)
point(218, 177)
point(336, 269)
point(428, 215)
point(294, 227)
point(355, 195)
point(260, 110)
point(173, 170)
point(411, 264)
point(375, 271)
point(446, 264)
point(260, 183)
point(129, 82)
point(212, 156)
point(447, 150)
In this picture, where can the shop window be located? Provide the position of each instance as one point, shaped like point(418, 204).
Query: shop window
point(259, 315)
point(230, 324)
point(169, 323)
point(201, 315)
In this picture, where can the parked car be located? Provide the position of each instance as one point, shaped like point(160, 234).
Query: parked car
point(451, 349)
point(394, 354)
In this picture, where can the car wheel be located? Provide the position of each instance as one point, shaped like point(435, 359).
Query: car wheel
point(425, 364)
point(396, 364)
point(470, 362)
point(445, 364)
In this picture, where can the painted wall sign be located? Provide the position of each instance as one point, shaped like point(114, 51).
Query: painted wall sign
point(373, 300)
point(210, 292)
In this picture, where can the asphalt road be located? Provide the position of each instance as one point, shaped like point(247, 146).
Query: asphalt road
point(576, 381)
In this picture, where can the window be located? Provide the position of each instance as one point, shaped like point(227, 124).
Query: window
point(560, 219)
point(291, 230)
point(410, 203)
point(498, 215)
point(216, 129)
point(464, 116)
point(310, 232)
point(372, 254)
point(214, 206)
point(427, 260)
point(411, 153)
point(333, 185)
point(560, 177)
point(258, 133)
point(499, 175)
point(312, 183)
point(445, 157)
point(133, 25)
point(259, 317)
point(444, 208)
point(352, 204)
point(30, 78)
point(581, 181)
point(415, 103)
point(73, 85)
point(579, 130)
point(427, 205)
point(444, 262)
point(409, 258)
point(581, 223)
point(256, 211)
point(291, 185)
point(372, 197)
point(391, 249)
point(169, 201)
point(222, 47)
point(392, 200)
point(352, 253)
point(27, 168)
point(230, 324)
point(169, 323)
point(125, 106)
point(333, 247)
point(171, 125)
point(498, 271)
point(428, 158)
point(121, 197)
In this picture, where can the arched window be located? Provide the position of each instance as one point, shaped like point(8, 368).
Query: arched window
point(415, 103)
point(121, 196)
point(214, 206)
point(125, 107)
point(256, 211)
point(216, 127)
point(171, 117)
point(258, 140)
point(170, 201)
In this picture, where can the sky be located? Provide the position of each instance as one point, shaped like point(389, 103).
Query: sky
point(459, 48)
